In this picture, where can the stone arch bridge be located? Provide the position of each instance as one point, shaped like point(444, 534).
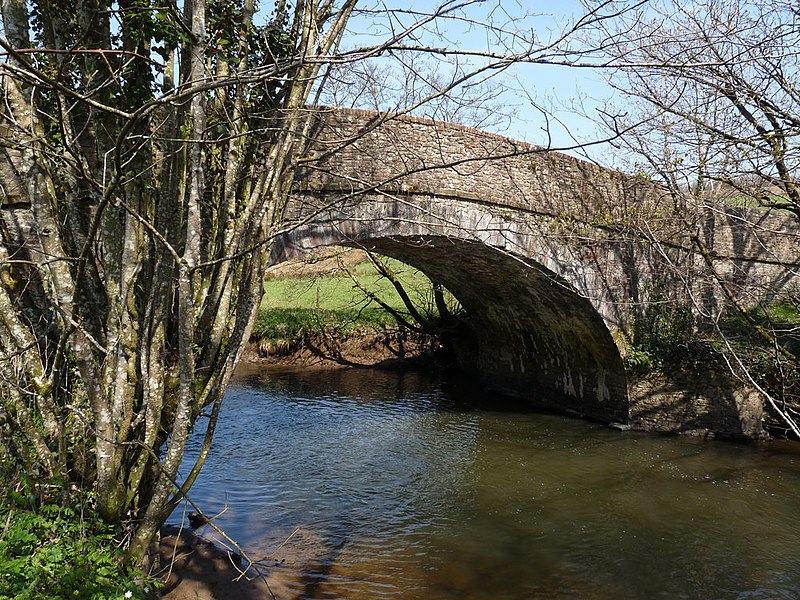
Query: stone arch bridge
point(552, 257)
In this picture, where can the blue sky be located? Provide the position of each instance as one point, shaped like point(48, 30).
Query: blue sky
point(561, 91)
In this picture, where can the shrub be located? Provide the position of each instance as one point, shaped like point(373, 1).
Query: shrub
point(663, 335)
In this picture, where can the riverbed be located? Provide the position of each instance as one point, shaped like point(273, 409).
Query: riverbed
point(366, 484)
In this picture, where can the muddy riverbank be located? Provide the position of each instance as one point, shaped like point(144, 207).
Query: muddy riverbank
point(704, 403)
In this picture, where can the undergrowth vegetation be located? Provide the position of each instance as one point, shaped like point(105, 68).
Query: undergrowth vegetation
point(772, 366)
point(669, 337)
point(53, 545)
point(294, 324)
point(662, 336)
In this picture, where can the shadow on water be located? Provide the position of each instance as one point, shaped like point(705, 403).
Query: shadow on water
point(453, 391)
point(316, 575)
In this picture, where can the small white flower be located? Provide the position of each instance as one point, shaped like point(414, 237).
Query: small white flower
point(128, 594)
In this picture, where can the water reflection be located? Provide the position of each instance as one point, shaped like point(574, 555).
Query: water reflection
point(398, 485)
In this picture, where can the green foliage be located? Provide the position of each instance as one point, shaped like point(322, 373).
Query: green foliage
point(667, 337)
point(228, 26)
point(781, 320)
point(53, 553)
point(663, 335)
point(53, 545)
point(775, 371)
point(637, 360)
point(233, 37)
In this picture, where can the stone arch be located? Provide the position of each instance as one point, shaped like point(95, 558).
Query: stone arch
point(581, 249)
point(533, 334)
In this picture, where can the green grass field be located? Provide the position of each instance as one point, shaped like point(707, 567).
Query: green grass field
point(338, 291)
point(295, 305)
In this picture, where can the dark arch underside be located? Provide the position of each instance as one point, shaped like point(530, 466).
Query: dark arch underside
point(532, 335)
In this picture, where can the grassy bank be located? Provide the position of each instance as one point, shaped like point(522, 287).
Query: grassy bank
point(334, 296)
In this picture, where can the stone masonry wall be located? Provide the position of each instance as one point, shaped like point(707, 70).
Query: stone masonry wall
point(624, 234)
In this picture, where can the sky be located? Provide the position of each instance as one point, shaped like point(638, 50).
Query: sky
point(564, 92)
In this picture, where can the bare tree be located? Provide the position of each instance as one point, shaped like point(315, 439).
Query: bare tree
point(147, 154)
point(432, 85)
point(718, 82)
point(430, 310)
point(711, 91)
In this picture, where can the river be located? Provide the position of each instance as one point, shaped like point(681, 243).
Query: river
point(374, 485)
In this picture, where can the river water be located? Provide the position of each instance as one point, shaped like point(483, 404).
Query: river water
point(373, 485)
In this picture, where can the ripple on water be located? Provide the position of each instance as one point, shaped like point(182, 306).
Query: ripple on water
point(391, 485)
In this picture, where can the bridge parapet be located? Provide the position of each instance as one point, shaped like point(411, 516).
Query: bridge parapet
point(362, 150)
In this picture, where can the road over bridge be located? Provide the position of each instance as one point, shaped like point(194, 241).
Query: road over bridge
point(553, 258)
